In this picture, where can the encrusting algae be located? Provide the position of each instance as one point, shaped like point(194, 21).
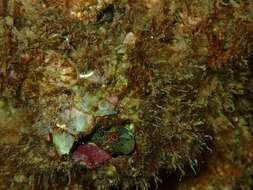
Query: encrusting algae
point(122, 94)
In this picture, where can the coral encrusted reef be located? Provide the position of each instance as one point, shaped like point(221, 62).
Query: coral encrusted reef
point(126, 94)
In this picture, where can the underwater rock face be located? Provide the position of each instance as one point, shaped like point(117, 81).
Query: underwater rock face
point(90, 155)
point(158, 86)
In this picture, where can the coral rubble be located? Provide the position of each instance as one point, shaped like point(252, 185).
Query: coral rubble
point(112, 94)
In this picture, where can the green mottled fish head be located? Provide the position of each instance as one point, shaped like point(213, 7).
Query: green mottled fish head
point(125, 142)
point(118, 140)
point(99, 137)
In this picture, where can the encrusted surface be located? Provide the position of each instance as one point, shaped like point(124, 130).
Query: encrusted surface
point(161, 85)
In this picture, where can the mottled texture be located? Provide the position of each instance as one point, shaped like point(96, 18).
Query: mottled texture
point(90, 155)
point(179, 71)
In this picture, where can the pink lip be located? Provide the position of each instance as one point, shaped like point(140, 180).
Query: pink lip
point(90, 155)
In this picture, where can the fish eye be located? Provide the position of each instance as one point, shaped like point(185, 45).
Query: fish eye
point(114, 136)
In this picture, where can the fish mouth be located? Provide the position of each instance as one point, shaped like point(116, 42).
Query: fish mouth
point(90, 155)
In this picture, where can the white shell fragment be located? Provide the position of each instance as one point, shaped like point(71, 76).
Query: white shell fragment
point(63, 142)
point(86, 75)
point(91, 77)
point(130, 39)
